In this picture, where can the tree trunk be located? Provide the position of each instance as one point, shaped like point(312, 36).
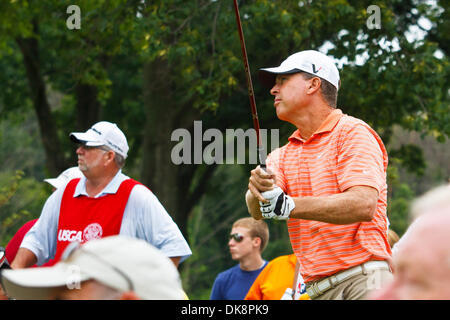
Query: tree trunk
point(169, 182)
point(88, 107)
point(30, 51)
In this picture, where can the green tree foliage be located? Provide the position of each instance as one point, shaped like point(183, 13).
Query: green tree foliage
point(400, 196)
point(20, 201)
point(155, 66)
point(399, 206)
point(411, 158)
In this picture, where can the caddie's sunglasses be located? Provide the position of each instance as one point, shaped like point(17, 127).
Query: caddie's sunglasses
point(237, 237)
point(104, 148)
point(78, 247)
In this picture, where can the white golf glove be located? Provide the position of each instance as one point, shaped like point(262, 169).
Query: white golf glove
point(279, 206)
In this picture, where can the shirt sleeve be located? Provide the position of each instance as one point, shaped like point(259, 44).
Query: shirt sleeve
point(362, 159)
point(41, 238)
point(145, 218)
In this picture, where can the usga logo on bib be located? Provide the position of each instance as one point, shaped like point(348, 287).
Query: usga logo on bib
point(92, 231)
point(69, 235)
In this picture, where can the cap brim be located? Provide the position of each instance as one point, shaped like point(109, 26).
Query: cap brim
point(38, 283)
point(267, 75)
point(55, 182)
point(86, 138)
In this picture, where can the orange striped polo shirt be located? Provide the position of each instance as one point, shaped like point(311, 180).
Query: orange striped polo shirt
point(344, 152)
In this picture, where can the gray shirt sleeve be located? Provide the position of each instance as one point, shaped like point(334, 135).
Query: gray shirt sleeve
point(41, 238)
point(145, 218)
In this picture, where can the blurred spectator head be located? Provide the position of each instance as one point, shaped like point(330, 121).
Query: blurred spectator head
point(256, 229)
point(392, 237)
point(64, 177)
point(434, 199)
point(110, 268)
point(422, 258)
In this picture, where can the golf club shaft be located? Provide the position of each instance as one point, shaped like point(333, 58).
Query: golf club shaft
point(251, 95)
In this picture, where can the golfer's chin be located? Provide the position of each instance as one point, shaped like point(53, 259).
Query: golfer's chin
point(283, 115)
point(280, 114)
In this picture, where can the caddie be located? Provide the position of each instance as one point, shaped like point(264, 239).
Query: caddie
point(103, 202)
point(328, 182)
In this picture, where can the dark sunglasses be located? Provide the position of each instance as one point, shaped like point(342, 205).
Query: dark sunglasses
point(104, 148)
point(237, 237)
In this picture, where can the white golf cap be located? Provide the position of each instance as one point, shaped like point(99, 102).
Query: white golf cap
point(103, 133)
point(119, 262)
point(310, 61)
point(65, 177)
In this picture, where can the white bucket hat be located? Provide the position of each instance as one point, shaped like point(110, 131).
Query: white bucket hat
point(65, 177)
point(310, 61)
point(103, 133)
point(122, 263)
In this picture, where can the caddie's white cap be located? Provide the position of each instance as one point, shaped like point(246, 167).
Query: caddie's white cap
point(310, 61)
point(103, 133)
point(120, 262)
point(65, 177)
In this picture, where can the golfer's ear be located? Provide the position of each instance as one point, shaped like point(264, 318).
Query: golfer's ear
point(129, 295)
point(314, 85)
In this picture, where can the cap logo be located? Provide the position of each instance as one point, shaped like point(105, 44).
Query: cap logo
point(95, 130)
point(114, 146)
point(314, 68)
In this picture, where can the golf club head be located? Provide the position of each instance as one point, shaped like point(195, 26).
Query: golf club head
point(4, 264)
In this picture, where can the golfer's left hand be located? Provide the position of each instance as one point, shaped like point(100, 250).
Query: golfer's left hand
point(278, 206)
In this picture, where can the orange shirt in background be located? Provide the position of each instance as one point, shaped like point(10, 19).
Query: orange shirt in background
point(272, 282)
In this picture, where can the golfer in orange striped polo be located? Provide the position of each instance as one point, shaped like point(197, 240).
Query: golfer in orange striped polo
point(328, 182)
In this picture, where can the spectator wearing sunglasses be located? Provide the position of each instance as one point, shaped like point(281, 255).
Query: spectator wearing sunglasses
point(111, 268)
point(248, 239)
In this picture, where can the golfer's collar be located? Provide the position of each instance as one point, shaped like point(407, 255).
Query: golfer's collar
point(327, 125)
point(111, 188)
